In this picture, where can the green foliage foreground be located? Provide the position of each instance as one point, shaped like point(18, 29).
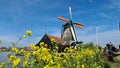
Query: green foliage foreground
point(86, 56)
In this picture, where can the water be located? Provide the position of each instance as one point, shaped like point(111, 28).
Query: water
point(4, 58)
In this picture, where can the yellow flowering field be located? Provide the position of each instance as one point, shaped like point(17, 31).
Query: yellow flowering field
point(85, 56)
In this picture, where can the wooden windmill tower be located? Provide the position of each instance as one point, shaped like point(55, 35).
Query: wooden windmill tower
point(68, 31)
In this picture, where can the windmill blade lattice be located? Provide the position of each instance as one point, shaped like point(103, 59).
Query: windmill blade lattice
point(78, 25)
point(63, 19)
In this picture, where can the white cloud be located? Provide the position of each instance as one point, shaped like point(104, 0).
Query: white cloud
point(103, 37)
point(8, 39)
point(104, 15)
point(91, 1)
point(85, 30)
point(108, 36)
point(88, 34)
point(37, 35)
point(91, 29)
point(50, 19)
point(84, 11)
point(113, 4)
point(43, 4)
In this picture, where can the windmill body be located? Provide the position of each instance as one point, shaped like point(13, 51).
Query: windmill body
point(68, 32)
point(67, 35)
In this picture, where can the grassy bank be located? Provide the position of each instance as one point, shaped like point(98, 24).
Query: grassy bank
point(116, 63)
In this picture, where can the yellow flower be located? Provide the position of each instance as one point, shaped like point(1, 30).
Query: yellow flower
point(41, 44)
point(22, 51)
point(15, 50)
point(36, 53)
point(32, 46)
point(52, 40)
point(47, 66)
point(37, 48)
point(33, 62)
point(51, 62)
point(78, 66)
point(25, 64)
point(2, 65)
point(11, 58)
point(44, 50)
point(70, 50)
point(102, 50)
point(46, 45)
point(29, 32)
point(56, 47)
point(24, 36)
point(65, 61)
point(16, 62)
point(58, 66)
point(44, 58)
point(27, 56)
point(83, 66)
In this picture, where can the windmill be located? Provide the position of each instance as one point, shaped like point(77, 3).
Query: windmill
point(68, 29)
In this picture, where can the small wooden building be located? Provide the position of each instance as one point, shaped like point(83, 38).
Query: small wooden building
point(48, 39)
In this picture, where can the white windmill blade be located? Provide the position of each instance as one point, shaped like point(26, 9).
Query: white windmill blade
point(72, 27)
point(70, 13)
point(73, 33)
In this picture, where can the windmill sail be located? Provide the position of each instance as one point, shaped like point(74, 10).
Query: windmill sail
point(73, 33)
point(70, 13)
point(71, 26)
point(63, 19)
point(79, 25)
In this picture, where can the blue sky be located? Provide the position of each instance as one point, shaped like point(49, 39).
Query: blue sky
point(17, 16)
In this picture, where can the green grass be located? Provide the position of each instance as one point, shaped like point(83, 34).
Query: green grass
point(116, 64)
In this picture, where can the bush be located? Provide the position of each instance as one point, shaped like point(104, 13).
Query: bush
point(87, 56)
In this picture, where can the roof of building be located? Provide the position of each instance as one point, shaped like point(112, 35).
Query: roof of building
point(58, 40)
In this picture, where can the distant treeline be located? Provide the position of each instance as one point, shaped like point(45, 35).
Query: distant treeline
point(19, 48)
